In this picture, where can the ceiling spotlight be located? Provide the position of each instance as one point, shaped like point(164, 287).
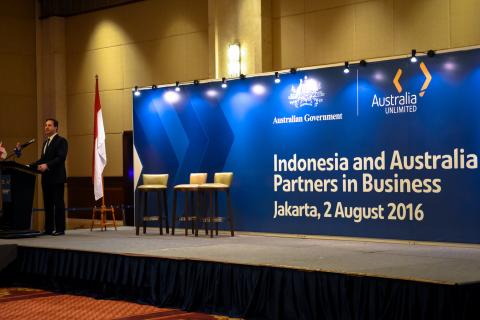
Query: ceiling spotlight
point(196, 82)
point(277, 77)
point(136, 92)
point(363, 63)
point(242, 76)
point(293, 70)
point(347, 68)
point(154, 86)
point(431, 53)
point(413, 58)
point(177, 86)
point(224, 83)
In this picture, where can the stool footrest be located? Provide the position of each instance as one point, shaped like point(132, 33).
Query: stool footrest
point(187, 218)
point(215, 219)
point(151, 218)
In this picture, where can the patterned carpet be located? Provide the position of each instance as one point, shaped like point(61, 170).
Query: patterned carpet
point(24, 303)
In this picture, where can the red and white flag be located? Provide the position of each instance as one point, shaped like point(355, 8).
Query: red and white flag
point(99, 151)
point(3, 152)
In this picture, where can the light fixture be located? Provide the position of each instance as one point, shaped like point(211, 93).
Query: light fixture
point(277, 77)
point(413, 58)
point(196, 82)
point(154, 86)
point(177, 86)
point(136, 92)
point(224, 83)
point(363, 63)
point(431, 53)
point(347, 68)
point(242, 76)
point(293, 70)
point(234, 60)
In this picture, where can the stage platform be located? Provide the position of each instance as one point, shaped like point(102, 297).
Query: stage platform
point(261, 276)
point(446, 264)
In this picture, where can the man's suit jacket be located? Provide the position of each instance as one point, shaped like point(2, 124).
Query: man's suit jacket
point(54, 156)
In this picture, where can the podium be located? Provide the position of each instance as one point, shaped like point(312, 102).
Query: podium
point(17, 185)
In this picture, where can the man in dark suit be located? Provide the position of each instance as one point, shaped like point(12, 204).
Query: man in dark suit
point(54, 176)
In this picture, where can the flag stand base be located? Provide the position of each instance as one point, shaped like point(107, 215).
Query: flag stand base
point(103, 217)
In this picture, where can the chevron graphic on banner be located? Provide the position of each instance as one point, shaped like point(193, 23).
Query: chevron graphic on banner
point(426, 83)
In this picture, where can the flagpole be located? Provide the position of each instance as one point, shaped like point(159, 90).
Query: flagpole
point(103, 209)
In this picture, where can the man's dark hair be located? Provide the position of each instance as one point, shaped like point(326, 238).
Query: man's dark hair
point(55, 122)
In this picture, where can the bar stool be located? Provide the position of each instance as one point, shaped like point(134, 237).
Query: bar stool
point(153, 183)
point(221, 183)
point(189, 211)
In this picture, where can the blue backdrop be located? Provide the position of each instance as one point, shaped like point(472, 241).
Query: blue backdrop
point(389, 150)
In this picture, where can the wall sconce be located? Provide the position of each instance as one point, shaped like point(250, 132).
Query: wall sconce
point(234, 60)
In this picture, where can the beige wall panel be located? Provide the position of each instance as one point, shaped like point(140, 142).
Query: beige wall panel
point(281, 8)
point(127, 110)
point(267, 45)
point(421, 25)
point(169, 60)
point(80, 113)
point(196, 59)
point(373, 29)
point(157, 62)
point(138, 60)
point(94, 31)
point(155, 19)
point(80, 155)
point(18, 8)
point(82, 68)
point(17, 35)
point(276, 44)
point(193, 18)
point(314, 5)
point(17, 116)
point(112, 110)
point(17, 74)
point(329, 36)
point(465, 22)
point(138, 22)
point(292, 42)
point(114, 145)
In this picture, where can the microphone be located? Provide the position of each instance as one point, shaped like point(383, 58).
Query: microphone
point(27, 143)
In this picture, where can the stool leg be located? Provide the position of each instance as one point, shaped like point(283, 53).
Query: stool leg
point(192, 210)
point(145, 212)
point(165, 209)
point(197, 213)
point(185, 214)
point(230, 213)
point(205, 210)
point(174, 212)
point(211, 214)
point(216, 212)
point(137, 216)
point(160, 211)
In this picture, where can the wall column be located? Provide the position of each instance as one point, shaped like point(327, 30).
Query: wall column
point(248, 22)
point(51, 86)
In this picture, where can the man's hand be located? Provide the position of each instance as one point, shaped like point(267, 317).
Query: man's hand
point(42, 167)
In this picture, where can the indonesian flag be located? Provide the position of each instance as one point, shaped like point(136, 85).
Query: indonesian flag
point(99, 151)
point(3, 152)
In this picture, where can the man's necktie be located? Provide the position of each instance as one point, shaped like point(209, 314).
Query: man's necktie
point(46, 146)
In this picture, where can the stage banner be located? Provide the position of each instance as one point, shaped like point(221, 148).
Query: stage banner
point(388, 150)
